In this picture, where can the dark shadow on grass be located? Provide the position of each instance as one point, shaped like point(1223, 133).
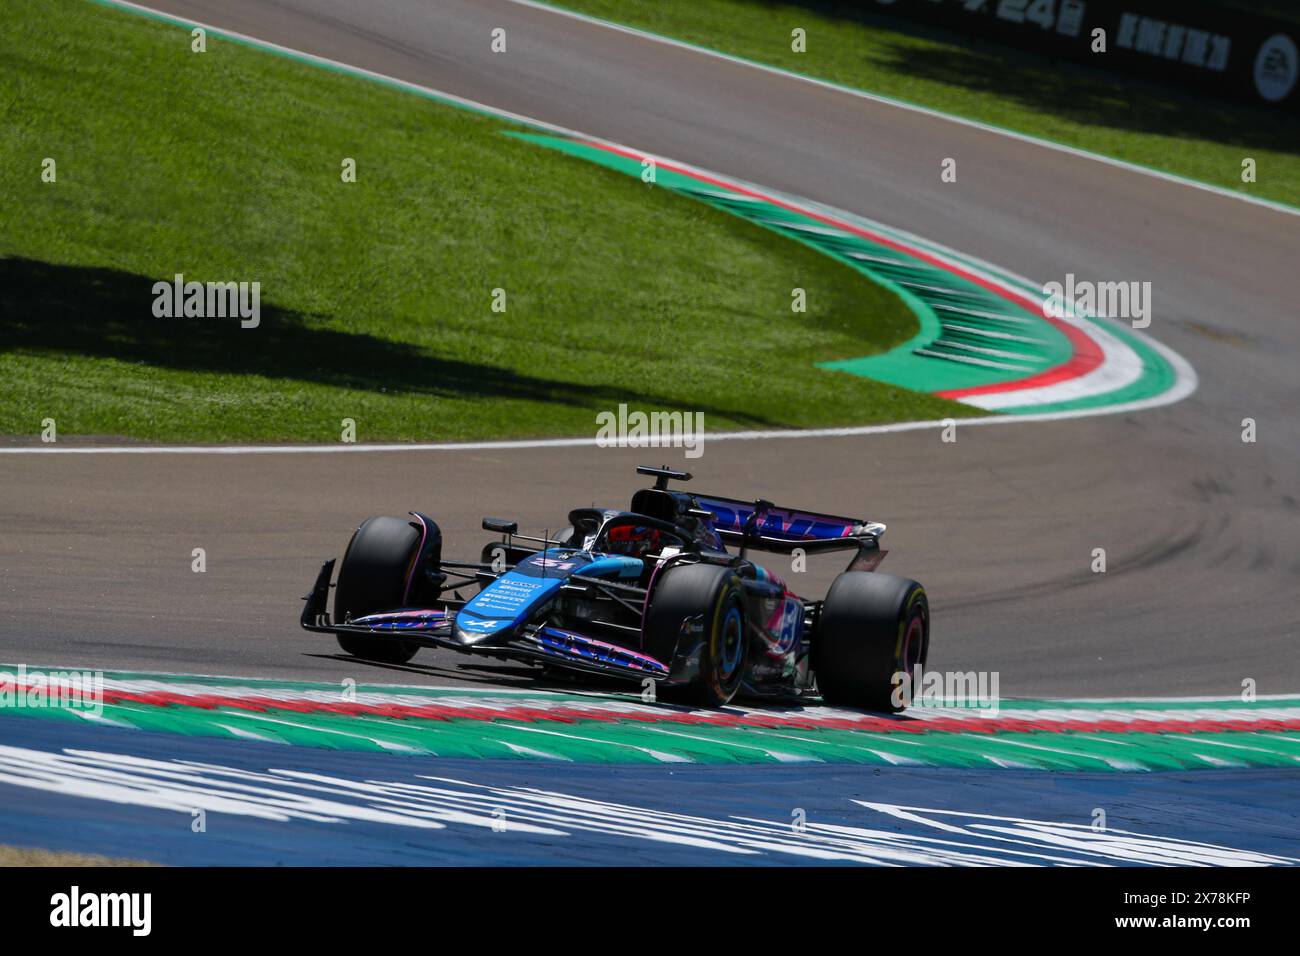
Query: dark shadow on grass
point(1067, 89)
point(107, 313)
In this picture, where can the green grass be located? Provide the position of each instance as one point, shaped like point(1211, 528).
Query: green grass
point(225, 166)
point(21, 856)
point(1186, 133)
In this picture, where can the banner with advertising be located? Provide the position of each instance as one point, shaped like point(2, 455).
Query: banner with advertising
point(1221, 47)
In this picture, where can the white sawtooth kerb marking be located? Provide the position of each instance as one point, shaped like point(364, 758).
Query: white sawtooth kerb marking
point(164, 678)
point(1185, 377)
point(1056, 711)
point(1121, 366)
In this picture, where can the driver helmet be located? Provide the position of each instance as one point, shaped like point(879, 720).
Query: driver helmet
point(634, 540)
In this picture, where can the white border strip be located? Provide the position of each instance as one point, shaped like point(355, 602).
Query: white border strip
point(470, 690)
point(915, 108)
point(1181, 390)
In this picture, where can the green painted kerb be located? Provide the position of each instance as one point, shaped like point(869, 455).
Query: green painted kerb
point(632, 741)
point(967, 337)
point(1126, 735)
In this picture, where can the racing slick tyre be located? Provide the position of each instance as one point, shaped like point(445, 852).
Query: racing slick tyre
point(712, 594)
point(373, 578)
point(872, 627)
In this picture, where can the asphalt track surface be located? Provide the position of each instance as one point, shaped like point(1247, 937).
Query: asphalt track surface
point(1202, 531)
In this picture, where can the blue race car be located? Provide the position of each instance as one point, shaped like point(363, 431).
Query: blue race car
point(651, 594)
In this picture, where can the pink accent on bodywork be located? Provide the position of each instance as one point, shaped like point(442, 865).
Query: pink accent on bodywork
point(402, 615)
point(650, 590)
point(415, 559)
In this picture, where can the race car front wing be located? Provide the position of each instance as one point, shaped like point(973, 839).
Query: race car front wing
point(430, 627)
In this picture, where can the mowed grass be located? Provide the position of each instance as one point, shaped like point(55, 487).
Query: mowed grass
point(1182, 132)
point(21, 856)
point(376, 295)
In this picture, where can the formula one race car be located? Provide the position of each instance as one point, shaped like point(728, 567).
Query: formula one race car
point(650, 594)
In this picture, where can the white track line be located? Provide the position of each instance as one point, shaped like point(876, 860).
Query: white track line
point(914, 108)
point(368, 688)
point(1179, 391)
point(1186, 381)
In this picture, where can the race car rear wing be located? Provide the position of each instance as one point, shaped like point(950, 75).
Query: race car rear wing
point(761, 524)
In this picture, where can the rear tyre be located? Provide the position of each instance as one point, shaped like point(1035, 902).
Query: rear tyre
point(373, 578)
point(872, 627)
point(712, 594)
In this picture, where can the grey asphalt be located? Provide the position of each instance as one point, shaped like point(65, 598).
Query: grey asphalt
point(1202, 531)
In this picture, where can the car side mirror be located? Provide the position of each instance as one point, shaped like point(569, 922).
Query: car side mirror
point(500, 525)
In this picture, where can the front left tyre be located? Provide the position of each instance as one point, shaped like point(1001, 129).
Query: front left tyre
point(706, 603)
point(373, 578)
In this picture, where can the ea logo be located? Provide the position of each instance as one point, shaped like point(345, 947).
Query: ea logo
point(1276, 67)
